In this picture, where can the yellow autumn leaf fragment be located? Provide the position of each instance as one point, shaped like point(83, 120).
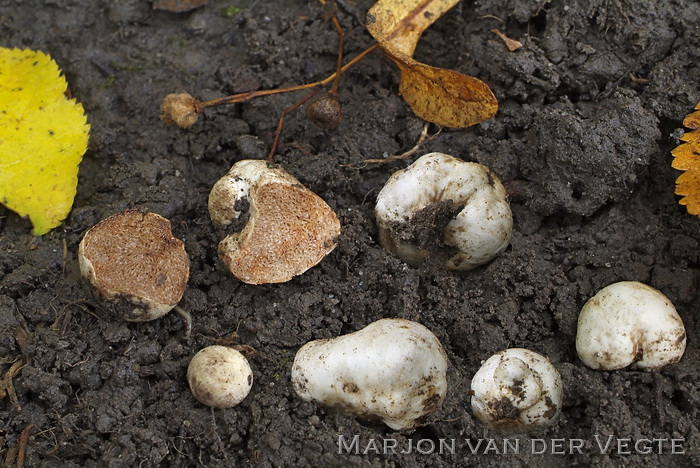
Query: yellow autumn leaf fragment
point(686, 157)
point(43, 136)
point(398, 24)
point(440, 96)
point(692, 120)
point(687, 186)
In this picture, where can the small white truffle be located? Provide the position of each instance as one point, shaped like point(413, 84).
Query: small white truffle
point(133, 261)
point(393, 370)
point(517, 390)
point(219, 376)
point(629, 324)
point(443, 203)
point(289, 230)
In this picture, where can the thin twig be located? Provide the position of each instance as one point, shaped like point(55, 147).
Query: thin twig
point(23, 441)
point(188, 320)
point(243, 97)
point(280, 123)
point(422, 139)
point(7, 387)
point(341, 45)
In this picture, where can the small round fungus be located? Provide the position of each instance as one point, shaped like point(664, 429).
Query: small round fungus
point(180, 109)
point(325, 111)
point(629, 324)
point(445, 207)
point(133, 260)
point(517, 390)
point(393, 370)
point(219, 377)
point(289, 230)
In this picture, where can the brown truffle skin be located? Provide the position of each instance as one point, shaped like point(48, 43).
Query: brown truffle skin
point(133, 257)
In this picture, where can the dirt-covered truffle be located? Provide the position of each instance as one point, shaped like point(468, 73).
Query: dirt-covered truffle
point(629, 324)
point(517, 390)
point(444, 209)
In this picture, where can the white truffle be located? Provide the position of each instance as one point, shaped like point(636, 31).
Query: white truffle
point(629, 324)
point(219, 376)
point(133, 261)
point(393, 370)
point(441, 202)
point(516, 390)
point(289, 230)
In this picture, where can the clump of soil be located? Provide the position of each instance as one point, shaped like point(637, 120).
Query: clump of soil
point(589, 107)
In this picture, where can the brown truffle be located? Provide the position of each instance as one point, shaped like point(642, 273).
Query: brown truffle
point(290, 229)
point(133, 257)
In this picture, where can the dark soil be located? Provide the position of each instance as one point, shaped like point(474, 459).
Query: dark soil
point(590, 108)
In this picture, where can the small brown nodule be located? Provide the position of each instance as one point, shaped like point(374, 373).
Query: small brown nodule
point(325, 111)
point(180, 109)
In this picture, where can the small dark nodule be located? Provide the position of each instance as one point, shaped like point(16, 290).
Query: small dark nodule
point(325, 111)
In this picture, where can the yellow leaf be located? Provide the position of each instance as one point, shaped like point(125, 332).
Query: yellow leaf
point(398, 24)
point(686, 157)
point(440, 96)
point(693, 120)
point(43, 136)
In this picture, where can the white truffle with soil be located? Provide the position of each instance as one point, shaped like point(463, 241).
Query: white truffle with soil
point(445, 206)
point(133, 261)
point(629, 324)
point(393, 370)
point(289, 229)
point(517, 390)
point(219, 376)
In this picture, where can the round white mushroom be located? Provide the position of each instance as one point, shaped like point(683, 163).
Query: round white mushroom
point(289, 230)
point(393, 370)
point(516, 390)
point(443, 204)
point(133, 260)
point(219, 376)
point(629, 324)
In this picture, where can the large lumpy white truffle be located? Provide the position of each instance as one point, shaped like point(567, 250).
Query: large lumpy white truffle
point(393, 370)
point(629, 324)
point(133, 260)
point(289, 230)
point(517, 390)
point(441, 203)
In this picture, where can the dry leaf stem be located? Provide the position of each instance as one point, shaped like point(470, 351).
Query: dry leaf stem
point(243, 97)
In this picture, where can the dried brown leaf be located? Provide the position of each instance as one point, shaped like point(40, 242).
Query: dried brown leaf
point(512, 44)
point(444, 97)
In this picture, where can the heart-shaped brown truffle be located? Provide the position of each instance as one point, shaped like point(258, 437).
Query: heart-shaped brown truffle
point(289, 230)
